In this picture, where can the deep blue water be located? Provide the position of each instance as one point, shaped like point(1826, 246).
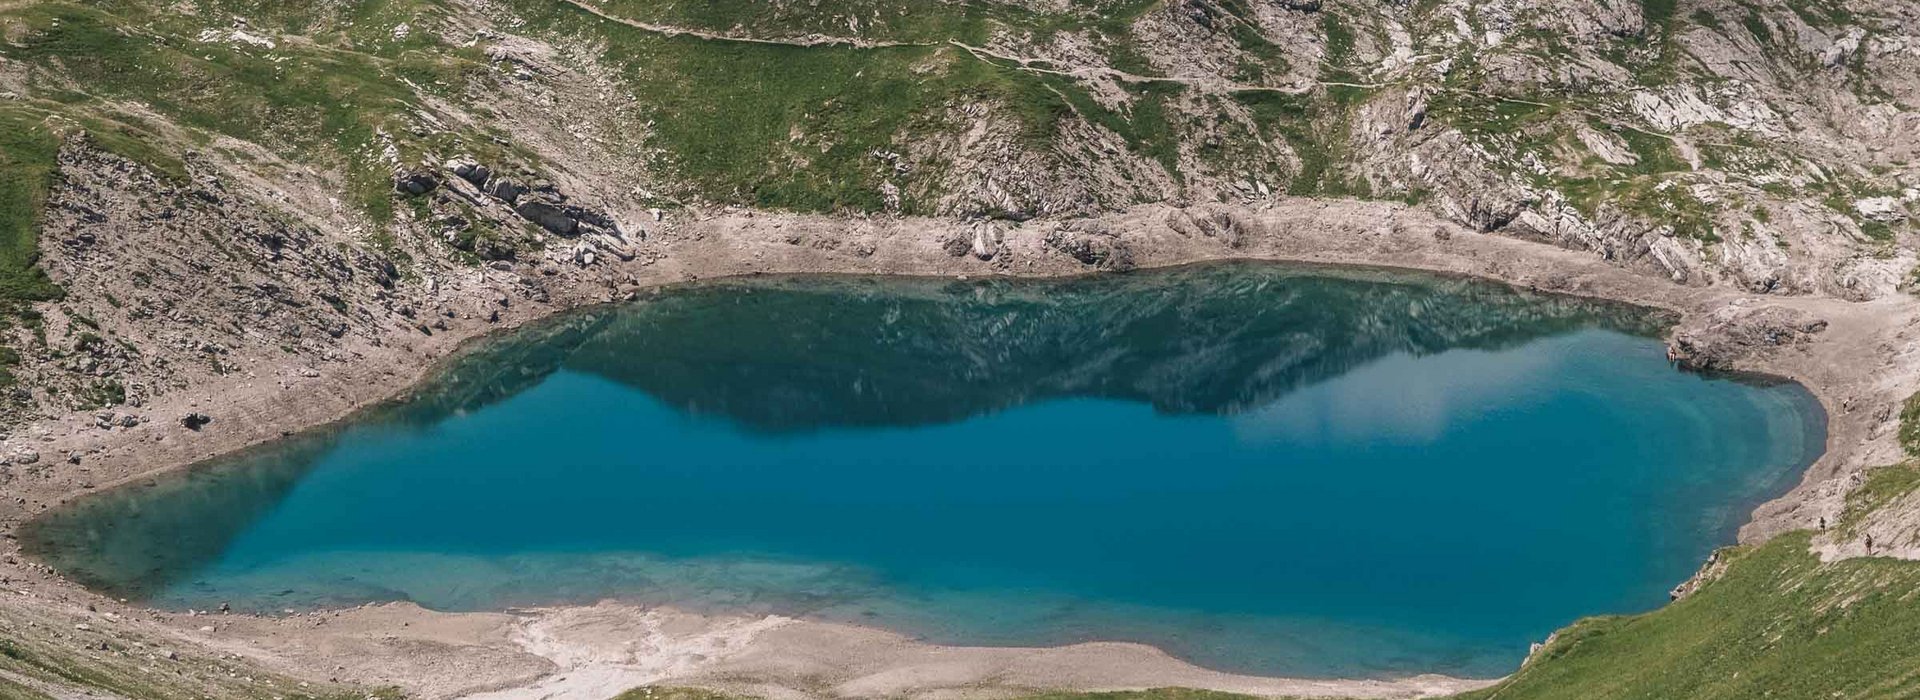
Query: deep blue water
point(1266, 469)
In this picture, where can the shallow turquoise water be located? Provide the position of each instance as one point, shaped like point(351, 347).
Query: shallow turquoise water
point(1266, 469)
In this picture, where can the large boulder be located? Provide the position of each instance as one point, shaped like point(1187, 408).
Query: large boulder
point(548, 212)
point(1099, 248)
point(469, 170)
point(1883, 209)
point(505, 189)
point(415, 183)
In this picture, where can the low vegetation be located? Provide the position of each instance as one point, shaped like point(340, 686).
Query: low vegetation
point(27, 151)
point(338, 105)
point(1910, 426)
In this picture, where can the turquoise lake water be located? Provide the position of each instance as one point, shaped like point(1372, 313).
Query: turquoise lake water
point(1278, 470)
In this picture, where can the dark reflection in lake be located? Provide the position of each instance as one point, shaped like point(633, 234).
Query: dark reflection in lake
point(1285, 470)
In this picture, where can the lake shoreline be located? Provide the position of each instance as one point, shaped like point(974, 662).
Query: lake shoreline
point(1847, 364)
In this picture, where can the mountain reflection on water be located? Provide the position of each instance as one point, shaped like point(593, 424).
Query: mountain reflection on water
point(1266, 468)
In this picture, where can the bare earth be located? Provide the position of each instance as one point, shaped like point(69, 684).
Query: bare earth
point(1860, 364)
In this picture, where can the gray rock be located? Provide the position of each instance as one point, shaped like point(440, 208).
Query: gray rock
point(1883, 209)
point(460, 166)
point(416, 183)
point(469, 170)
point(548, 213)
point(505, 189)
point(986, 242)
point(1103, 250)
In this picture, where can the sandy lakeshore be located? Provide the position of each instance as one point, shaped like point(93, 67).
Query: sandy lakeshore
point(1856, 357)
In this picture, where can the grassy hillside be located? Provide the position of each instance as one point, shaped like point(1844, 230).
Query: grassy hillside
point(27, 150)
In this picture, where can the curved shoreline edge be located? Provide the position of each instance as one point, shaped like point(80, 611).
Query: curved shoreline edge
point(1848, 364)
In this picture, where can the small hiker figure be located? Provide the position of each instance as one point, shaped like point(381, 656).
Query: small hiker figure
point(1823, 523)
point(1869, 544)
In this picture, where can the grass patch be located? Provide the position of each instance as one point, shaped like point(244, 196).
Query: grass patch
point(1706, 18)
point(1340, 39)
point(1657, 13)
point(663, 692)
point(1265, 58)
point(1148, 127)
point(1480, 114)
point(1910, 426)
point(1656, 153)
point(1758, 27)
point(1316, 130)
point(28, 150)
point(1654, 199)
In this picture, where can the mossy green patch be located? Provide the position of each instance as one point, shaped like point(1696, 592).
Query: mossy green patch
point(1657, 12)
point(1706, 18)
point(1910, 426)
point(28, 150)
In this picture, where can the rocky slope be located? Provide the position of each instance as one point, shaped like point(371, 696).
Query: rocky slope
point(235, 180)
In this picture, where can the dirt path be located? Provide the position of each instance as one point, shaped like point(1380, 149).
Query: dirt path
point(978, 52)
point(808, 41)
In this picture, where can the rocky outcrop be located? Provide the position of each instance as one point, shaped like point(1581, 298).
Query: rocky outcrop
point(1729, 338)
point(540, 203)
point(1091, 244)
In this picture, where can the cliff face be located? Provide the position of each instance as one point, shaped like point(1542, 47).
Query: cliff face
point(213, 185)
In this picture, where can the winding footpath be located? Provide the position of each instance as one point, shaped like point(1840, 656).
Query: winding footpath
point(978, 52)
